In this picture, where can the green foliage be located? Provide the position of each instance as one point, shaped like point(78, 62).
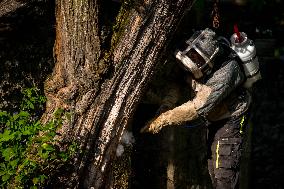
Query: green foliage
point(29, 150)
point(32, 99)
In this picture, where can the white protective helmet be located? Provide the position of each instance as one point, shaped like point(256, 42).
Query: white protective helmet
point(197, 57)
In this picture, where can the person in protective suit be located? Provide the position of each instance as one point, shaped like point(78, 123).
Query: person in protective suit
point(220, 102)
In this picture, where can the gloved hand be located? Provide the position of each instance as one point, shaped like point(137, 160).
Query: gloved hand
point(181, 114)
point(177, 116)
point(155, 124)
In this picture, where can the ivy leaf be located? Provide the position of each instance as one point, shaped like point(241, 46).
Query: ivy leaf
point(5, 177)
point(21, 122)
point(8, 153)
point(4, 114)
point(27, 132)
point(47, 147)
point(30, 105)
point(44, 155)
point(6, 136)
point(3, 169)
point(35, 180)
point(24, 114)
point(64, 156)
point(14, 163)
point(42, 178)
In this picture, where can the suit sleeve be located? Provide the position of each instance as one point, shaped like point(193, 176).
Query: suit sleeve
point(221, 84)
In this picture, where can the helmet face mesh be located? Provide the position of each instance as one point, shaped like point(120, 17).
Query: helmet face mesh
point(201, 50)
point(195, 57)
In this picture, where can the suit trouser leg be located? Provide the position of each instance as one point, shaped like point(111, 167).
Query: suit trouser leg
point(226, 146)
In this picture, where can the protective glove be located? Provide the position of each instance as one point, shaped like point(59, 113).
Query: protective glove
point(179, 115)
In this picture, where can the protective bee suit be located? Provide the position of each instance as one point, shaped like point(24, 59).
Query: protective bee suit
point(220, 102)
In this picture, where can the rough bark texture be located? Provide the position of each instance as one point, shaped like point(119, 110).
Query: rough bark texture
point(9, 6)
point(100, 113)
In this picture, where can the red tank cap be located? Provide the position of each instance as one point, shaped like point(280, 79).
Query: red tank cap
point(239, 38)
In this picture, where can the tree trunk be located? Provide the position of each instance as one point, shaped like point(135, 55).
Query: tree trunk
point(102, 107)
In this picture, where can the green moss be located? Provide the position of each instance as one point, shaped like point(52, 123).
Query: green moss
point(122, 20)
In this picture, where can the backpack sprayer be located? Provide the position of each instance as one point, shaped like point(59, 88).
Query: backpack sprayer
point(245, 49)
point(203, 46)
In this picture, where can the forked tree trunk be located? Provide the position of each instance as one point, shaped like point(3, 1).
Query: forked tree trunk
point(102, 107)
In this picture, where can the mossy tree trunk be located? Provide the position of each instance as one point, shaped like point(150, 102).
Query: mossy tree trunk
point(102, 100)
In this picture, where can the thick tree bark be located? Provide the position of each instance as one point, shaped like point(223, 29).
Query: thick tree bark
point(10, 6)
point(102, 108)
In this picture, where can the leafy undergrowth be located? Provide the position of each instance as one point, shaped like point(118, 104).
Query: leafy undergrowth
point(29, 150)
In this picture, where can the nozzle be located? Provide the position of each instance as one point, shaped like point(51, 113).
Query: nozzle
point(239, 38)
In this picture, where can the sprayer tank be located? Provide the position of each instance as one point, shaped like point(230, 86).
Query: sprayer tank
point(245, 49)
